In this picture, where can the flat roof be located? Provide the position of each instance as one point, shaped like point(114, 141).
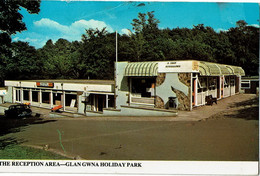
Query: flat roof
point(255, 78)
point(78, 81)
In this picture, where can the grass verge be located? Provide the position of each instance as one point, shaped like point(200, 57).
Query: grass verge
point(24, 152)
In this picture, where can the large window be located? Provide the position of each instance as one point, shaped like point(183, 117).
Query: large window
point(143, 87)
point(46, 97)
point(202, 84)
point(26, 95)
point(71, 100)
point(212, 83)
point(226, 81)
point(245, 84)
point(35, 97)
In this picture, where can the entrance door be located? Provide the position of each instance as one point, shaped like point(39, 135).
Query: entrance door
point(101, 100)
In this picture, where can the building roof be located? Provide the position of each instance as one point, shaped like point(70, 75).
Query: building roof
point(76, 81)
point(202, 67)
point(251, 78)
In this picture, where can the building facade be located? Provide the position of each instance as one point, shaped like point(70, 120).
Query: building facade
point(139, 89)
point(250, 85)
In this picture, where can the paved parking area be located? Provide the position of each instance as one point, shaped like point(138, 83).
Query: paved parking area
point(194, 115)
point(185, 137)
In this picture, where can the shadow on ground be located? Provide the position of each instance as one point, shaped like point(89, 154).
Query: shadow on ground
point(248, 110)
point(6, 141)
point(8, 125)
point(251, 102)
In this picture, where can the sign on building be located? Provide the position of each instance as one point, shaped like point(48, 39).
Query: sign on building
point(44, 84)
point(178, 66)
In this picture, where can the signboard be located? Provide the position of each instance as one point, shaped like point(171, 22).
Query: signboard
point(44, 84)
point(178, 67)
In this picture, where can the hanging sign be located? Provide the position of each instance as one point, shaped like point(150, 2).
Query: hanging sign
point(44, 84)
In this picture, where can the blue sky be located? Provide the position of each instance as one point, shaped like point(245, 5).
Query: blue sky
point(69, 19)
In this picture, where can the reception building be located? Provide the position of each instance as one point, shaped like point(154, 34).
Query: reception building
point(139, 89)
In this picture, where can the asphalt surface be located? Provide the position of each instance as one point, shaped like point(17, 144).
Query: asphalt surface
point(147, 138)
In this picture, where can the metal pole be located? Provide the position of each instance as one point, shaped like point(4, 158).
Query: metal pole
point(115, 74)
point(116, 48)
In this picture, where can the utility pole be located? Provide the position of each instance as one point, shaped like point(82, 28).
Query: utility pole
point(115, 77)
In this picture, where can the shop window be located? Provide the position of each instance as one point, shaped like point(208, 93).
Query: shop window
point(212, 83)
point(56, 98)
point(26, 95)
point(46, 97)
point(35, 97)
point(226, 82)
point(245, 84)
point(71, 100)
point(202, 84)
point(143, 87)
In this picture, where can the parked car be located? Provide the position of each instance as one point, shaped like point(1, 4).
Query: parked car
point(18, 111)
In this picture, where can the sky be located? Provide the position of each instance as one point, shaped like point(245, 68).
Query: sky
point(69, 19)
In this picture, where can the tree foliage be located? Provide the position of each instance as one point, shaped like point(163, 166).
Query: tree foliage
point(11, 23)
point(94, 56)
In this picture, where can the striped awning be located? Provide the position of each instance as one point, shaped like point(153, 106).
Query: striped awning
point(209, 69)
point(224, 70)
point(214, 69)
point(141, 69)
point(204, 69)
point(236, 70)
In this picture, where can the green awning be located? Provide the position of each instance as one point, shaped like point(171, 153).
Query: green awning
point(209, 69)
point(214, 69)
point(224, 70)
point(204, 69)
point(236, 70)
point(141, 69)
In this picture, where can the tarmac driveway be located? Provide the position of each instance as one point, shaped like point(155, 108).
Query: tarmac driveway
point(222, 139)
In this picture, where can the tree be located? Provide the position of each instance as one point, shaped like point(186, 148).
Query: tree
point(10, 23)
point(244, 41)
point(146, 32)
point(59, 59)
point(24, 62)
point(97, 54)
point(11, 19)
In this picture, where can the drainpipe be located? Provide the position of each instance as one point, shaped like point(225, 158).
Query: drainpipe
point(191, 91)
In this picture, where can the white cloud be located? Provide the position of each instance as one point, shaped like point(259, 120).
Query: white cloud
point(16, 39)
point(45, 22)
point(126, 31)
point(54, 30)
point(220, 29)
point(27, 39)
point(76, 28)
point(83, 24)
point(255, 25)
